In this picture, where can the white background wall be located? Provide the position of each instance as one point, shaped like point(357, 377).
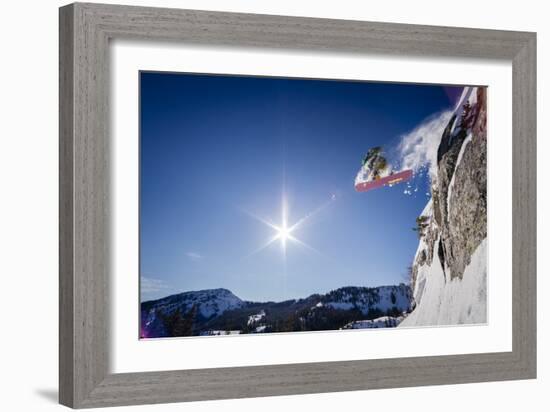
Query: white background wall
point(28, 204)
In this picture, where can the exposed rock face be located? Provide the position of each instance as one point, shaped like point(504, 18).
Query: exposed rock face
point(458, 210)
point(466, 223)
point(462, 181)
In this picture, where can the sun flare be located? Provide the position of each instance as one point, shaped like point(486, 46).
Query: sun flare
point(284, 231)
point(283, 234)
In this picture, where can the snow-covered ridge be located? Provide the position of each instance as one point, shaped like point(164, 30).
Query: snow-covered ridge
point(209, 302)
point(382, 298)
point(209, 312)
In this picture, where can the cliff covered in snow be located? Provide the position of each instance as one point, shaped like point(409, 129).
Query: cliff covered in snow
point(449, 270)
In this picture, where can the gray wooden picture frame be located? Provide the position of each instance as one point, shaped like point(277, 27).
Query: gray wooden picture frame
point(85, 32)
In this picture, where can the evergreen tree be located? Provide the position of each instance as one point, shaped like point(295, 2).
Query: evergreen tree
point(177, 324)
point(421, 225)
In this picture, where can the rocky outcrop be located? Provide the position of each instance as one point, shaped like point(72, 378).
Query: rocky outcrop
point(462, 189)
point(466, 218)
point(457, 211)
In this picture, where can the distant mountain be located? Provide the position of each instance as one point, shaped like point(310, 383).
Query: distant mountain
point(219, 311)
point(208, 304)
point(379, 299)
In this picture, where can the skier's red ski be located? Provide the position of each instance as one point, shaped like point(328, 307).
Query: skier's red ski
point(384, 181)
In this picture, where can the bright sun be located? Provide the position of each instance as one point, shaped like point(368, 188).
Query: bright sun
point(284, 232)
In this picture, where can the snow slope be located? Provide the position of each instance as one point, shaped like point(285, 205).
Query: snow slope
point(443, 302)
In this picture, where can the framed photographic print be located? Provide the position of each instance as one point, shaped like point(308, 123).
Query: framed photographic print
point(226, 157)
point(266, 205)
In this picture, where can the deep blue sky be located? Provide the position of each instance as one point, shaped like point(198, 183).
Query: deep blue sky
point(216, 147)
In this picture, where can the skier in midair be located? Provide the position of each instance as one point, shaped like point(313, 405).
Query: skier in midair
point(377, 172)
point(375, 162)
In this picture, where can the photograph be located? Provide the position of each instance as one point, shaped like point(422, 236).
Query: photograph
point(287, 205)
